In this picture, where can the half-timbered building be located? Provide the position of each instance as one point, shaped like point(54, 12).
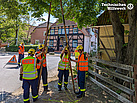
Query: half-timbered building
point(75, 36)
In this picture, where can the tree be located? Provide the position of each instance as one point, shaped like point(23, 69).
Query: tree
point(80, 11)
point(85, 12)
point(11, 11)
point(6, 28)
point(125, 54)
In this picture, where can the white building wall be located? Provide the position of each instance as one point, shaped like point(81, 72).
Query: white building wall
point(94, 40)
point(86, 44)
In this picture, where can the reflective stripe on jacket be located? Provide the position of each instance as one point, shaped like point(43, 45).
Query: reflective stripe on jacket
point(21, 49)
point(29, 68)
point(76, 54)
point(63, 63)
point(44, 61)
point(82, 63)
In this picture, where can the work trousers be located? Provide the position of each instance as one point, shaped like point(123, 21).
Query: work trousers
point(60, 76)
point(81, 81)
point(21, 56)
point(44, 77)
point(34, 89)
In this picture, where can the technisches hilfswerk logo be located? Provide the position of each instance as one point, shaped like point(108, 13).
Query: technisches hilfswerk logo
point(118, 6)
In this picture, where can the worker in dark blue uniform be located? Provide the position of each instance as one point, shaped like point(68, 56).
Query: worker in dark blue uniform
point(44, 69)
point(63, 68)
point(28, 72)
point(82, 68)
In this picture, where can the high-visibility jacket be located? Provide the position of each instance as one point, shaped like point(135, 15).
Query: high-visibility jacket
point(64, 63)
point(29, 68)
point(21, 48)
point(76, 54)
point(82, 63)
point(44, 61)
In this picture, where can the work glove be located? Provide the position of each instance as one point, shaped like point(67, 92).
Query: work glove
point(21, 77)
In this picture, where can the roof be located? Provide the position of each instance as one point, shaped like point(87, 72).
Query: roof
point(67, 22)
point(104, 18)
point(43, 25)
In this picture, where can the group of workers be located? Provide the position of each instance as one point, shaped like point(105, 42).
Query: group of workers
point(30, 70)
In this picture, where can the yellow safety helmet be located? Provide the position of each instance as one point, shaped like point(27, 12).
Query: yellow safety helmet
point(31, 51)
point(41, 46)
point(79, 47)
point(21, 43)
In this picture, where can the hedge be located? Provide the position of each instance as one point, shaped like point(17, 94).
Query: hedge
point(14, 48)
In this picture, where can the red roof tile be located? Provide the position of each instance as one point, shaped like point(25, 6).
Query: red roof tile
point(67, 23)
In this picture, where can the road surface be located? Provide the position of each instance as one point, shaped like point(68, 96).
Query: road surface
point(9, 76)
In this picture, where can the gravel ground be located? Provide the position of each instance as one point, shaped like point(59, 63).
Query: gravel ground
point(94, 94)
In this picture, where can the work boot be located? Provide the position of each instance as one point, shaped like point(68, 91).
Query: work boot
point(35, 100)
point(66, 88)
point(59, 89)
point(80, 95)
point(77, 92)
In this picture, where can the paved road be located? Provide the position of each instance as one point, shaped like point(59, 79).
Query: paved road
point(9, 76)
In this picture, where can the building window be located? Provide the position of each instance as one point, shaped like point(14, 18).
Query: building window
point(75, 30)
point(51, 42)
point(52, 31)
point(44, 33)
point(59, 31)
point(67, 31)
point(91, 44)
point(63, 31)
point(75, 43)
point(36, 42)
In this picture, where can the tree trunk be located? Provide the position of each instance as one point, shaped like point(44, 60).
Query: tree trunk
point(28, 34)
point(118, 31)
point(16, 36)
point(132, 37)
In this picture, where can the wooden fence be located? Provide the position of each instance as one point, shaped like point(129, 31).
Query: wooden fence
point(105, 75)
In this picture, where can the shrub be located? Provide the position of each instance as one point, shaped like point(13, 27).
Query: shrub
point(14, 48)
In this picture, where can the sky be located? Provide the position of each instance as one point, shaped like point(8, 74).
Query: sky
point(45, 16)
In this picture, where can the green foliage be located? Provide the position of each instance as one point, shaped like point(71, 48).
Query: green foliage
point(125, 45)
point(13, 16)
point(91, 68)
point(118, 91)
point(126, 32)
point(92, 54)
point(14, 48)
point(74, 71)
point(80, 11)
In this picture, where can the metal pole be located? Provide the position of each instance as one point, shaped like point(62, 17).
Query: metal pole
point(67, 44)
point(45, 45)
